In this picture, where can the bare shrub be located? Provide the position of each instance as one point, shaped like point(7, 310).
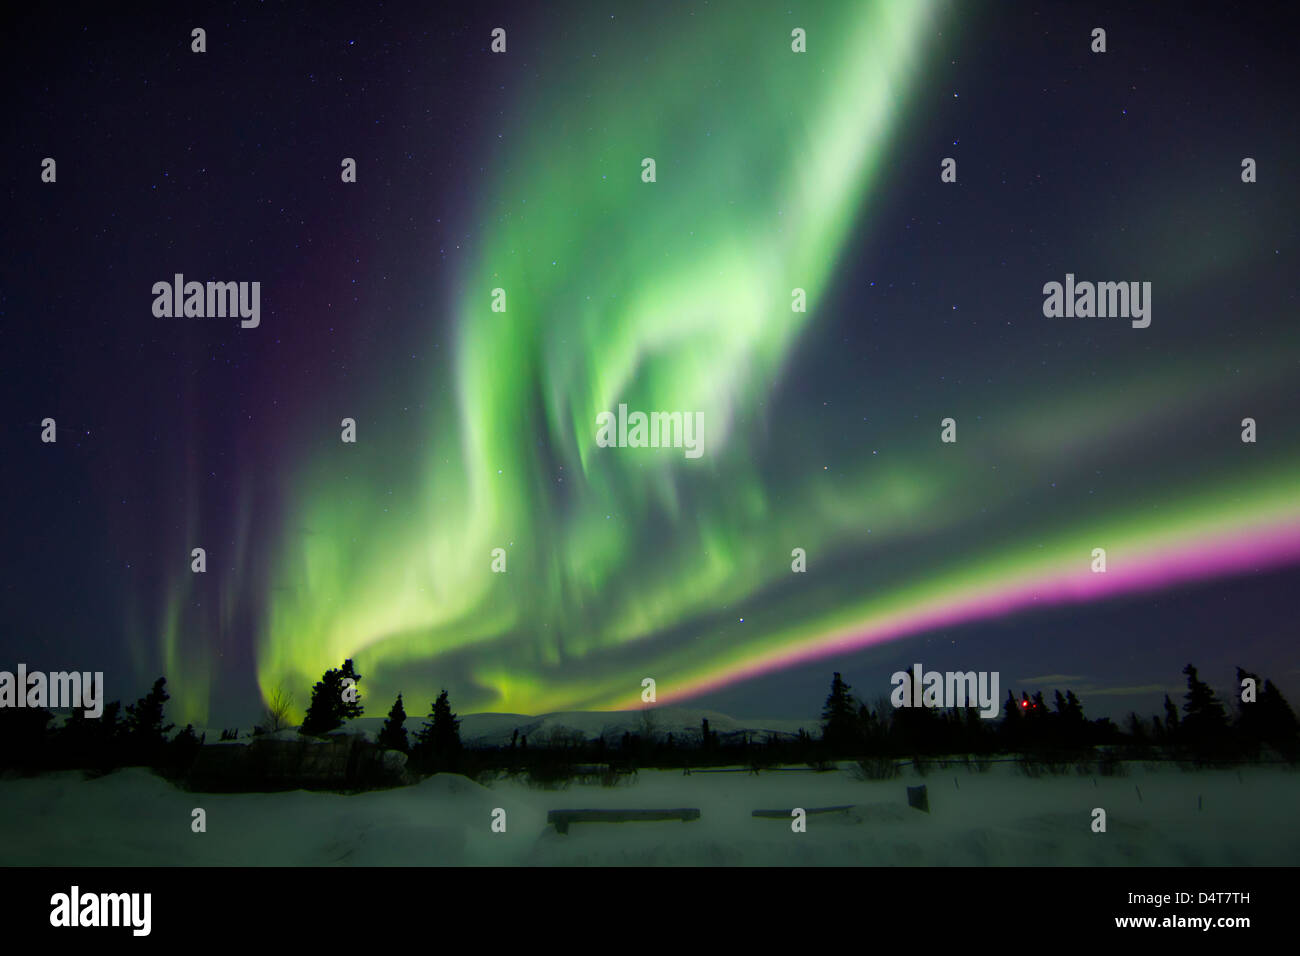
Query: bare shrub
point(876, 768)
point(279, 708)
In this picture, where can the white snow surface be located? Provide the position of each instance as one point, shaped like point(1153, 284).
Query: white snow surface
point(134, 818)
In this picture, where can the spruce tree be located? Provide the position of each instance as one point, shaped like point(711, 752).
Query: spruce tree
point(23, 736)
point(438, 741)
point(1011, 709)
point(328, 709)
point(915, 729)
point(1073, 707)
point(839, 718)
point(1171, 720)
point(1280, 727)
point(1072, 728)
point(393, 734)
point(351, 709)
point(146, 734)
point(184, 748)
point(869, 729)
point(1010, 731)
point(1268, 719)
point(325, 712)
point(89, 743)
point(1136, 730)
point(1205, 715)
point(1250, 715)
point(446, 725)
point(1038, 722)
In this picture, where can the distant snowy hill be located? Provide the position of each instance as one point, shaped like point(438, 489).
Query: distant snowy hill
point(682, 723)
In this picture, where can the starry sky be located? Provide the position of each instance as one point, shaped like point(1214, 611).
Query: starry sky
point(476, 428)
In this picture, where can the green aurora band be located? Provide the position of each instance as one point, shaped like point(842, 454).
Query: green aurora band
point(627, 563)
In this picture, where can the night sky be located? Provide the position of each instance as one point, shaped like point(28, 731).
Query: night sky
point(476, 429)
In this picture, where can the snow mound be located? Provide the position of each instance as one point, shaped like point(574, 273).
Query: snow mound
point(1157, 817)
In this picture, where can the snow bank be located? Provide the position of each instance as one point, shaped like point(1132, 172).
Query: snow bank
point(132, 818)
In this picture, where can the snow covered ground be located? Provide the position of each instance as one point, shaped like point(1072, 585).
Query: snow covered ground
point(997, 818)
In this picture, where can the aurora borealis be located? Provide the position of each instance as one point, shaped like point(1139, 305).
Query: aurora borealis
point(476, 428)
point(682, 311)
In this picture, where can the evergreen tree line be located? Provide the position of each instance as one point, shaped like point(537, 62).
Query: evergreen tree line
point(436, 746)
point(134, 736)
point(1203, 730)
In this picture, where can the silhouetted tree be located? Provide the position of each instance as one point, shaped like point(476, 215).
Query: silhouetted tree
point(146, 735)
point(328, 709)
point(183, 748)
point(916, 729)
point(352, 709)
point(1139, 740)
point(392, 736)
point(1171, 727)
point(975, 732)
point(1011, 720)
point(839, 719)
point(1136, 728)
point(1103, 730)
point(803, 746)
point(1037, 722)
point(1280, 728)
point(1250, 717)
point(872, 729)
point(1204, 728)
point(95, 744)
point(437, 743)
point(24, 736)
point(1205, 717)
point(1072, 729)
point(708, 738)
point(1268, 719)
